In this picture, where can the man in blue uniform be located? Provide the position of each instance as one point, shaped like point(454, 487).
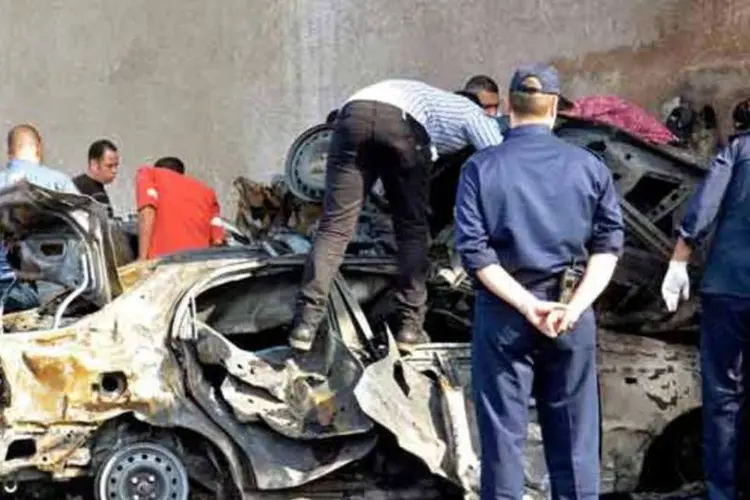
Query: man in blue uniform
point(533, 215)
point(722, 198)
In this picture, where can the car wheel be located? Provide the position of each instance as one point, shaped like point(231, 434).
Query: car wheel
point(142, 471)
point(674, 459)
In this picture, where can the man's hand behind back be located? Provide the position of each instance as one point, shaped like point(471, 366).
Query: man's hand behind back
point(540, 312)
point(562, 320)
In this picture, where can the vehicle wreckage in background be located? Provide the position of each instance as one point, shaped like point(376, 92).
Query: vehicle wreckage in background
point(648, 367)
point(173, 376)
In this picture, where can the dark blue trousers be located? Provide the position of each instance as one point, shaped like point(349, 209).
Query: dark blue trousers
point(725, 342)
point(510, 360)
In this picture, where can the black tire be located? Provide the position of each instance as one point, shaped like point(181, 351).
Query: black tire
point(674, 459)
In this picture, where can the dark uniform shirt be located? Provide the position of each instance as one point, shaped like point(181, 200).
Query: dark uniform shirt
point(535, 204)
point(724, 196)
point(91, 187)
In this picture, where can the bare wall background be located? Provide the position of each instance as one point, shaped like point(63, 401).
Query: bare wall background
point(227, 85)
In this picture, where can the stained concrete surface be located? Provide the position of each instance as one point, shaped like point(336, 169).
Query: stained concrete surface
point(700, 52)
point(228, 85)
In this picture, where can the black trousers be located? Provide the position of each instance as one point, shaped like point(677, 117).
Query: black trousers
point(372, 140)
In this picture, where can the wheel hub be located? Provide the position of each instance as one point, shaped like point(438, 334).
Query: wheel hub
point(144, 485)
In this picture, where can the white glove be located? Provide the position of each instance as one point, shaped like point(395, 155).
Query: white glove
point(676, 284)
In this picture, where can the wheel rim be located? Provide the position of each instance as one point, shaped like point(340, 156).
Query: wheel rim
point(143, 471)
point(306, 163)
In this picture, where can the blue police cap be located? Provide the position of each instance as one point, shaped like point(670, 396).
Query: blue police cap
point(547, 77)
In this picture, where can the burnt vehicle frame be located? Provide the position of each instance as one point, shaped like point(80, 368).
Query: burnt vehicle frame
point(654, 183)
point(138, 363)
point(108, 379)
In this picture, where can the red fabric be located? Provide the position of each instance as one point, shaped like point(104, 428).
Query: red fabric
point(184, 210)
point(618, 112)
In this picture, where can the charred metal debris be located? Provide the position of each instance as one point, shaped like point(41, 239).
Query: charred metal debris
point(172, 379)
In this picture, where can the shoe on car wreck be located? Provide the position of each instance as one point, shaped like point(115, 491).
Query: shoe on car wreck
point(173, 379)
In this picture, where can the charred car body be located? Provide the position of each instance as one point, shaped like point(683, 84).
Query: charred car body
point(163, 378)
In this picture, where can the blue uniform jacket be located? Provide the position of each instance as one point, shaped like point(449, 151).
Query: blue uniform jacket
point(535, 204)
point(723, 198)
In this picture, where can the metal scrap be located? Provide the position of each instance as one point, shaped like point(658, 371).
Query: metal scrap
point(169, 350)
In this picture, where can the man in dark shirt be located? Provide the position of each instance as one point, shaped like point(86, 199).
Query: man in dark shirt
point(529, 212)
point(104, 160)
point(722, 201)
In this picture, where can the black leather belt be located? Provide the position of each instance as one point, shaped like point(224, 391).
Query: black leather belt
point(543, 282)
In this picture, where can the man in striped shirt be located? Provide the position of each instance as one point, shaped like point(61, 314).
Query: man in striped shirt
point(392, 131)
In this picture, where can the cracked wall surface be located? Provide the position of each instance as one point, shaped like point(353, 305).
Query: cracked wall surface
point(228, 85)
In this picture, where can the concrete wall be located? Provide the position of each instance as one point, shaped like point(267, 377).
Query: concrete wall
point(228, 84)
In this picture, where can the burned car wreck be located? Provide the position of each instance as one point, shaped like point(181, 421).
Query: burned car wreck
point(644, 421)
point(173, 379)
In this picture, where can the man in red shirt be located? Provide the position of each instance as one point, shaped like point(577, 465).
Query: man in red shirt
point(175, 212)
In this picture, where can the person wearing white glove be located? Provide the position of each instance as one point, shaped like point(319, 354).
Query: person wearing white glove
point(722, 201)
point(676, 284)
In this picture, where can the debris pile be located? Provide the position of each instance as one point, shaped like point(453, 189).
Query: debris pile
point(654, 181)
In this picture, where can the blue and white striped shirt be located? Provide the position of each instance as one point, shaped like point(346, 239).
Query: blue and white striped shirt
point(452, 121)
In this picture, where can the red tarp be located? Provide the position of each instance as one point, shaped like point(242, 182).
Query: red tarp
point(622, 114)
